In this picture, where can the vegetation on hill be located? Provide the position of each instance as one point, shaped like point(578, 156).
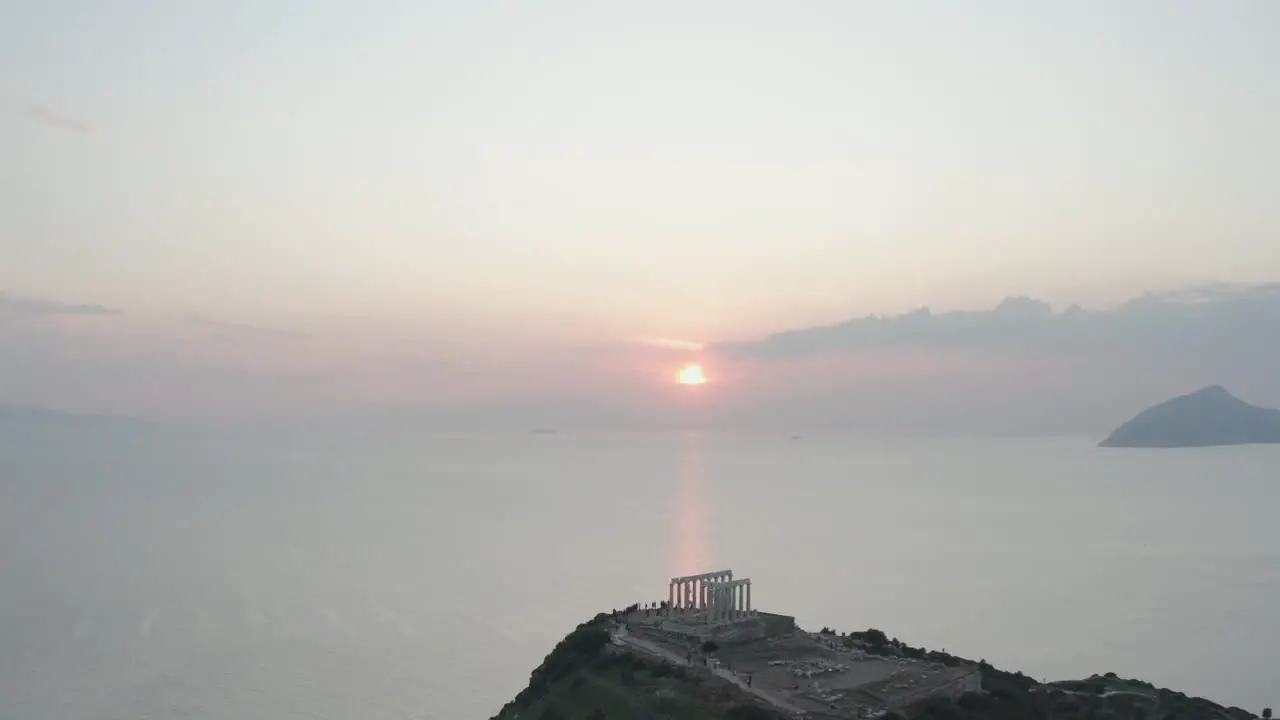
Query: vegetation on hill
point(585, 677)
point(1015, 696)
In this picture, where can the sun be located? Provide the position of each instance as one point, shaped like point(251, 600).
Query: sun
point(691, 375)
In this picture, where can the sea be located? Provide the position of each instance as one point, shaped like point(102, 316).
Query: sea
point(164, 572)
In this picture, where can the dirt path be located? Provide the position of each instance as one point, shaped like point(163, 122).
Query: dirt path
point(665, 654)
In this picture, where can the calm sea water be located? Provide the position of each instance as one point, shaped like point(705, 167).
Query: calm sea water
point(166, 574)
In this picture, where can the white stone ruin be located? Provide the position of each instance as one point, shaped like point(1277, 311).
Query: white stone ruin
point(715, 596)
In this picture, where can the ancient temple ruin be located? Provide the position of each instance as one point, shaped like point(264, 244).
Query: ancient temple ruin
point(714, 597)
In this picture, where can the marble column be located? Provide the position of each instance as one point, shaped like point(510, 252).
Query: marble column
point(749, 610)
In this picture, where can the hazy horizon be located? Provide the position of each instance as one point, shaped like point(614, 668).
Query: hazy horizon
point(1022, 367)
point(524, 217)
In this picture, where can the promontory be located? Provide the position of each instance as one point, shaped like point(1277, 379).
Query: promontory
point(650, 663)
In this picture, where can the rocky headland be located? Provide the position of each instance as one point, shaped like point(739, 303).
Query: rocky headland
point(612, 667)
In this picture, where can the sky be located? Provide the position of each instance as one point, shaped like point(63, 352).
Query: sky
point(285, 208)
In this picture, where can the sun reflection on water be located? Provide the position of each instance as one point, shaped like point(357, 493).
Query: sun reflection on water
point(692, 526)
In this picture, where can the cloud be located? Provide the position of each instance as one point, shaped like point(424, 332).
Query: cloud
point(1018, 367)
point(49, 117)
point(40, 307)
point(672, 343)
point(245, 329)
point(1240, 320)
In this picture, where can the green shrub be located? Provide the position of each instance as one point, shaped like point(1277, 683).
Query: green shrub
point(551, 712)
point(578, 647)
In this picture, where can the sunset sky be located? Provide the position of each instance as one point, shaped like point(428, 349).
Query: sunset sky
point(338, 205)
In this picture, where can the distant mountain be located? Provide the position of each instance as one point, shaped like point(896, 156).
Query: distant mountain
point(1211, 416)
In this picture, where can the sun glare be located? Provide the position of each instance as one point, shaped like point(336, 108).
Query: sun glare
point(691, 375)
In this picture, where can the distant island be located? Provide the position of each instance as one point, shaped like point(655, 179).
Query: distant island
point(1207, 417)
